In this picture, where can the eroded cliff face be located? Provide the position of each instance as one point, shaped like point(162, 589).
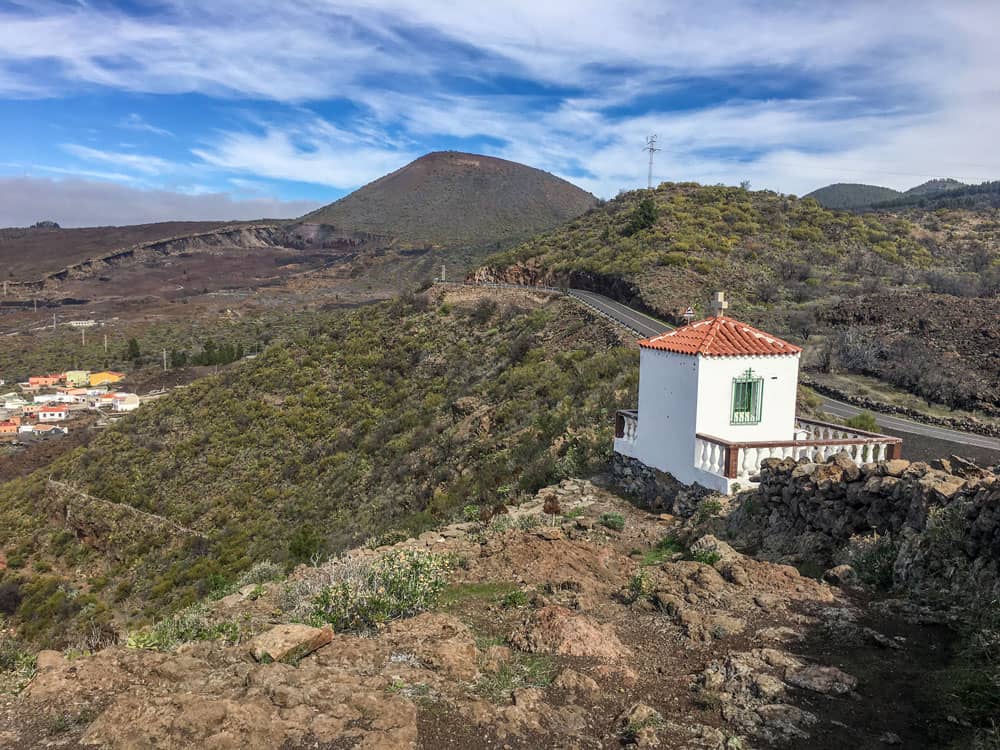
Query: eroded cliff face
point(527, 274)
point(302, 236)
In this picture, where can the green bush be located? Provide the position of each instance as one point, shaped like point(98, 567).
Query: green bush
point(706, 557)
point(639, 586)
point(667, 547)
point(863, 421)
point(614, 521)
point(515, 599)
point(191, 624)
point(398, 584)
point(17, 663)
point(873, 557)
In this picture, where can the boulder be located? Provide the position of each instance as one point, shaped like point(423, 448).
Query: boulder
point(48, 660)
point(289, 641)
point(819, 679)
point(894, 467)
point(557, 630)
point(840, 575)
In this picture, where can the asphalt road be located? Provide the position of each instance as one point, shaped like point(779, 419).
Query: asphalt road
point(646, 325)
point(642, 324)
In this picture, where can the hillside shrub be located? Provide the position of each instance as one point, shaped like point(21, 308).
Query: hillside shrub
point(873, 557)
point(863, 421)
point(17, 663)
point(615, 521)
point(400, 583)
point(191, 624)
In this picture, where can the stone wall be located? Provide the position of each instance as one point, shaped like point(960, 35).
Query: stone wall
point(967, 424)
point(656, 490)
point(940, 523)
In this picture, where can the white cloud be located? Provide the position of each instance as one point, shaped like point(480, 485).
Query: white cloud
point(314, 151)
point(135, 121)
point(144, 163)
point(930, 65)
point(77, 202)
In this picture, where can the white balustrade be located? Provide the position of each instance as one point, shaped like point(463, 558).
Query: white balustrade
point(631, 428)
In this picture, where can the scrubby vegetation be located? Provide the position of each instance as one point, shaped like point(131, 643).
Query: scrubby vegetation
point(828, 279)
point(387, 420)
point(680, 241)
point(368, 594)
point(204, 341)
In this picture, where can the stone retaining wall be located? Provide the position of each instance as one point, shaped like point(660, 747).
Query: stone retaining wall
point(863, 402)
point(654, 489)
point(942, 523)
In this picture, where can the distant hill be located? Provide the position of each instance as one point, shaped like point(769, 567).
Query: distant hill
point(448, 198)
point(955, 195)
point(935, 186)
point(852, 195)
point(940, 193)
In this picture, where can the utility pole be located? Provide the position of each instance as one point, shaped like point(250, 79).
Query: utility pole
point(53, 321)
point(164, 360)
point(83, 336)
point(105, 343)
point(652, 149)
point(442, 272)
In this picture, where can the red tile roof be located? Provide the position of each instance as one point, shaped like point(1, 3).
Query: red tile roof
point(719, 337)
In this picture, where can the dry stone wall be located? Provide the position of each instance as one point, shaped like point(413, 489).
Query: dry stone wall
point(939, 525)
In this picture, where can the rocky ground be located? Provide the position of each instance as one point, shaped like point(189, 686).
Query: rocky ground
point(557, 630)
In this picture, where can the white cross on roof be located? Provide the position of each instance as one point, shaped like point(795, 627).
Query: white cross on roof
point(719, 304)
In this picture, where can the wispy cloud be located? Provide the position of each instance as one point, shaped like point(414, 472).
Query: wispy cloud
point(144, 163)
point(314, 151)
point(135, 121)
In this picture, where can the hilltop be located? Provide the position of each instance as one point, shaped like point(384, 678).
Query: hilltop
point(933, 194)
point(450, 198)
point(851, 195)
point(784, 261)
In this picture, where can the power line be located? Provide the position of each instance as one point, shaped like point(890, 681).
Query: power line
point(652, 149)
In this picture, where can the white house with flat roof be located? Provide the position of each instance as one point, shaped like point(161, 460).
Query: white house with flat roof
point(717, 397)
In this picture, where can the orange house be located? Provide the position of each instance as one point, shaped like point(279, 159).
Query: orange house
point(43, 381)
point(9, 427)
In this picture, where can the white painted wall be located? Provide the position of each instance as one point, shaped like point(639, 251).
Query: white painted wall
point(682, 395)
point(715, 396)
point(668, 390)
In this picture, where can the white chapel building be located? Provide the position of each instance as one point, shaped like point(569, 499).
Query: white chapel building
point(717, 397)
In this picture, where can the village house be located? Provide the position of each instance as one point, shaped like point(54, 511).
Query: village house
point(14, 403)
point(77, 378)
point(53, 413)
point(40, 431)
point(10, 426)
point(105, 377)
point(126, 402)
point(45, 381)
point(717, 397)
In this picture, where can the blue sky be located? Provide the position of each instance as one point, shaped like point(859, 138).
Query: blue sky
point(114, 112)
